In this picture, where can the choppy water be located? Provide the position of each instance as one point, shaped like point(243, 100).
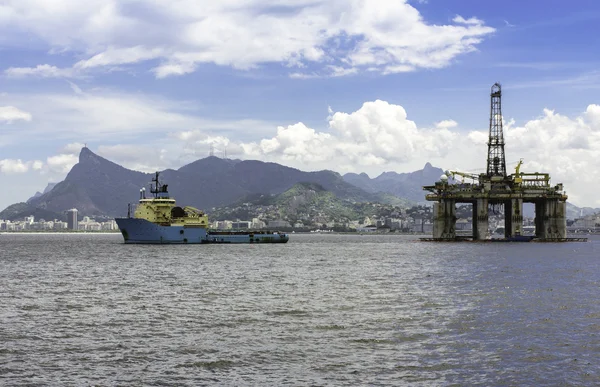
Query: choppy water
point(320, 310)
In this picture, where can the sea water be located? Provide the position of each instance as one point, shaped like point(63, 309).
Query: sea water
point(86, 309)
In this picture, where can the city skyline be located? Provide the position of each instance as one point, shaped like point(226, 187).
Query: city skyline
point(350, 86)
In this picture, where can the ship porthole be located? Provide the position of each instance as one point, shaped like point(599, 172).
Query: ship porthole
point(184, 240)
point(181, 231)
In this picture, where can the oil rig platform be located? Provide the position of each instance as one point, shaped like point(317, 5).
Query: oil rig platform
point(498, 190)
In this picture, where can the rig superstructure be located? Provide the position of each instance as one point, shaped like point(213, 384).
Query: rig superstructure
point(495, 188)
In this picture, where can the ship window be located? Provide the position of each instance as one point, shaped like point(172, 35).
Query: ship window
point(181, 231)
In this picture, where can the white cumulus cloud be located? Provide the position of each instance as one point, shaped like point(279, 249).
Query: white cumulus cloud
point(10, 166)
point(446, 124)
point(338, 37)
point(566, 147)
point(376, 134)
point(62, 163)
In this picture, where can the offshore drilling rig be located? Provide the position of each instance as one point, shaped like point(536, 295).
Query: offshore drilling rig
point(497, 189)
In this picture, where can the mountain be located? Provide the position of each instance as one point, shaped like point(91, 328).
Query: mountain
point(46, 190)
point(49, 187)
point(96, 186)
point(304, 202)
point(222, 181)
point(574, 212)
point(36, 195)
point(21, 210)
point(404, 185)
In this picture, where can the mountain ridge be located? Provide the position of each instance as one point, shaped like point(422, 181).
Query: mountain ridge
point(99, 187)
point(406, 185)
point(307, 203)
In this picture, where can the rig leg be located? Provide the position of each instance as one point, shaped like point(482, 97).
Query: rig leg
point(444, 219)
point(556, 221)
point(540, 209)
point(550, 219)
point(480, 219)
point(513, 218)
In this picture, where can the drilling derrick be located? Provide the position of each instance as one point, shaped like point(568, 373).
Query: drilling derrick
point(497, 190)
point(496, 162)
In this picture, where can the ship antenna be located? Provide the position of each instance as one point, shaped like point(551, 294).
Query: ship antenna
point(157, 185)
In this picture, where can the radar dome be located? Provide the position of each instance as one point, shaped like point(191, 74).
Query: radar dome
point(444, 178)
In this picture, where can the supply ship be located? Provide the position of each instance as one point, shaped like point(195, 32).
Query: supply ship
point(159, 220)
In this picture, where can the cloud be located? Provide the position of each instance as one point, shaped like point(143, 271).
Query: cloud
point(9, 114)
point(566, 147)
point(118, 56)
point(173, 69)
point(100, 115)
point(40, 71)
point(10, 166)
point(336, 37)
point(592, 116)
point(378, 133)
point(471, 21)
point(62, 163)
point(72, 149)
point(446, 124)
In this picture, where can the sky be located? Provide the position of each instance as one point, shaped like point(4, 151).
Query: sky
point(345, 85)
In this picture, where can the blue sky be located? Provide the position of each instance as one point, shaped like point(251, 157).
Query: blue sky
point(348, 85)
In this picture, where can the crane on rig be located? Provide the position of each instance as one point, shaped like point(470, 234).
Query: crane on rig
point(463, 175)
point(518, 179)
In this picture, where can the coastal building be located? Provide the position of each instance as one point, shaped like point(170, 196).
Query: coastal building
point(109, 226)
point(72, 223)
point(241, 224)
point(279, 224)
point(58, 225)
point(257, 223)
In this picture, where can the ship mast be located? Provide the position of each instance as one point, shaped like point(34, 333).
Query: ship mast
point(159, 189)
point(156, 188)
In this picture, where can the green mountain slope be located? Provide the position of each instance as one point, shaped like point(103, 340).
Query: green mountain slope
point(308, 203)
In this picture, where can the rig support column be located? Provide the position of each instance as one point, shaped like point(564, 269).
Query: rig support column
point(550, 219)
point(540, 209)
point(444, 219)
point(480, 219)
point(513, 218)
